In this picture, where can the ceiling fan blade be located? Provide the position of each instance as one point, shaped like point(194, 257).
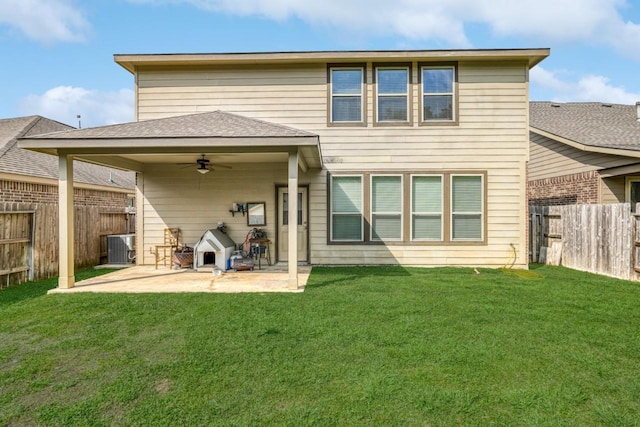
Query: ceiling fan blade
point(219, 165)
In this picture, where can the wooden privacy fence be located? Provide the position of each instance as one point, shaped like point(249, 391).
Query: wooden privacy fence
point(16, 250)
point(599, 239)
point(29, 239)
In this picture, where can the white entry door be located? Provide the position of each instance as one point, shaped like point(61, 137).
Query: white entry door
point(283, 224)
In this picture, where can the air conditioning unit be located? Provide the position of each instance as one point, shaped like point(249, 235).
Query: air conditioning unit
point(121, 248)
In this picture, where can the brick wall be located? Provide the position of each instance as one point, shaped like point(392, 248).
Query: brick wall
point(580, 188)
point(26, 192)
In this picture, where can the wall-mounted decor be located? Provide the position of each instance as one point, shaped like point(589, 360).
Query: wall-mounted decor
point(257, 214)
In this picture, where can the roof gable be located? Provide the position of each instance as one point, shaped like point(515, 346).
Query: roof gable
point(18, 161)
point(11, 129)
point(216, 124)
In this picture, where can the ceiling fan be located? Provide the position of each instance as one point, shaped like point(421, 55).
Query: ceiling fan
point(203, 165)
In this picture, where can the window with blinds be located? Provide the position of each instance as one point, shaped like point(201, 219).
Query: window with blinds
point(409, 207)
point(346, 95)
point(393, 94)
point(426, 207)
point(438, 93)
point(386, 207)
point(346, 208)
point(466, 207)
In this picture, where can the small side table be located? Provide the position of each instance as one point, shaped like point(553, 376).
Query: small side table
point(256, 250)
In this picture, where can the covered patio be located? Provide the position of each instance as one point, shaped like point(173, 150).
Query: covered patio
point(147, 279)
point(161, 144)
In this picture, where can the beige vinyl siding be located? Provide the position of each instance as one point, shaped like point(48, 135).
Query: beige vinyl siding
point(179, 197)
point(550, 158)
point(492, 136)
point(612, 190)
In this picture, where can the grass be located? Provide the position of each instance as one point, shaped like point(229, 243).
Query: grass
point(361, 346)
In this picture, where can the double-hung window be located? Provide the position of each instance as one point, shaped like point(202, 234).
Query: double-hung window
point(386, 207)
point(392, 85)
point(438, 93)
point(347, 95)
point(346, 209)
point(467, 207)
point(426, 207)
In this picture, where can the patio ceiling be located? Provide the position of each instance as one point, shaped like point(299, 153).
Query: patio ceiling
point(222, 137)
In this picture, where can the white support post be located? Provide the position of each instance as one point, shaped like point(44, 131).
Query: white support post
point(293, 220)
point(66, 272)
point(140, 218)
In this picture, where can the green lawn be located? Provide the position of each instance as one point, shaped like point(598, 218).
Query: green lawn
point(361, 346)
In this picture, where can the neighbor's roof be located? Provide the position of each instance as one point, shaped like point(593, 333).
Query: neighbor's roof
point(131, 61)
point(591, 124)
point(216, 124)
point(18, 161)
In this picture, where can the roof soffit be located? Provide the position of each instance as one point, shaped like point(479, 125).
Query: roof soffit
point(131, 61)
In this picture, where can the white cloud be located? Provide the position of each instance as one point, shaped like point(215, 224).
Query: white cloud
point(568, 21)
point(46, 21)
point(64, 103)
point(589, 88)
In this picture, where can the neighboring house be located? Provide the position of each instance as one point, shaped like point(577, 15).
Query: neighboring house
point(29, 182)
point(584, 153)
point(414, 158)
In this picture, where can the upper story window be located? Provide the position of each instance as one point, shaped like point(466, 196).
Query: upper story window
point(392, 89)
point(438, 93)
point(347, 95)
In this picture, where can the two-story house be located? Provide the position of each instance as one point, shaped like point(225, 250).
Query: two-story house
point(414, 158)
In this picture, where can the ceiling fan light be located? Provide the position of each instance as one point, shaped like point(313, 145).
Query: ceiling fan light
point(202, 169)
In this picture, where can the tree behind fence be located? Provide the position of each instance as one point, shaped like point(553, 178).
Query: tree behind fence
point(595, 238)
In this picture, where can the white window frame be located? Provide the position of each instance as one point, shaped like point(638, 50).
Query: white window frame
point(350, 95)
point(332, 213)
point(481, 212)
point(372, 213)
point(452, 93)
point(385, 95)
point(441, 212)
point(628, 181)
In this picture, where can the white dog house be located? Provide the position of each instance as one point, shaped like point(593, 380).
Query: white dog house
point(213, 249)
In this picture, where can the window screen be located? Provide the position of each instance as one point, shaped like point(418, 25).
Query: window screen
point(346, 95)
point(437, 93)
point(393, 89)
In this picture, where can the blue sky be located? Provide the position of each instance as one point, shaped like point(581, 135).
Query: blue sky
point(57, 55)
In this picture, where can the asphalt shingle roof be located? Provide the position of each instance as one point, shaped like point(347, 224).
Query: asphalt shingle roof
point(216, 124)
point(589, 123)
point(19, 161)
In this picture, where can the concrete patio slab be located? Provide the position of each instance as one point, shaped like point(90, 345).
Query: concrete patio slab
point(146, 279)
